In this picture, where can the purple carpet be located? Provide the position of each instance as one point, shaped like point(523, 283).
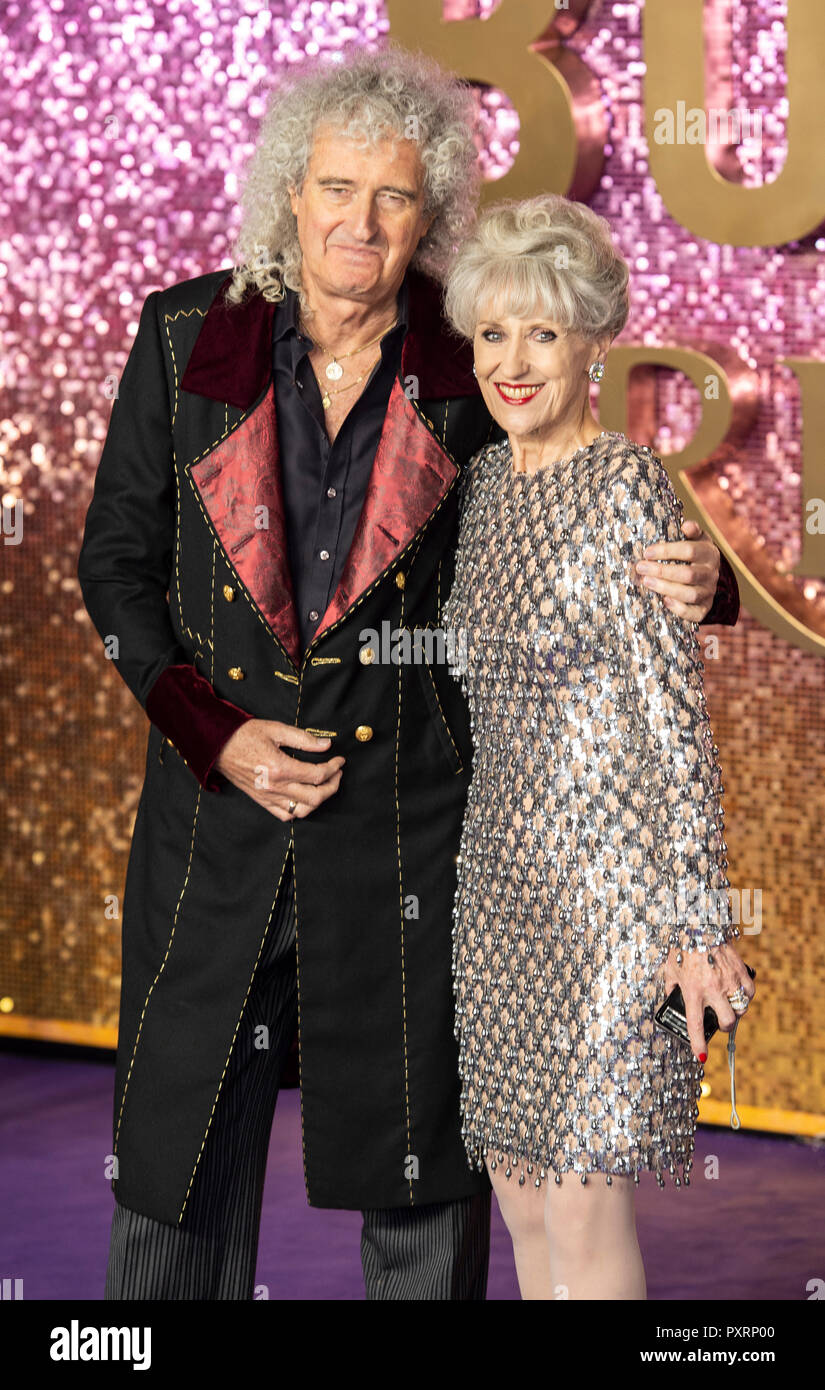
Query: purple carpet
point(755, 1231)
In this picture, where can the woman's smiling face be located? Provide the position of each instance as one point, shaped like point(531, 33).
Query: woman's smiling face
point(531, 371)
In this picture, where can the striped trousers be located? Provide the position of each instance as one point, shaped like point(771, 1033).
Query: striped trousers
point(438, 1251)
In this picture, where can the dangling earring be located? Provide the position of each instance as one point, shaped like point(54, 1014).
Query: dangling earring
point(596, 371)
point(475, 373)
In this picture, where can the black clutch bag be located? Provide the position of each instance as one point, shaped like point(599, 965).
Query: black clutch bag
point(671, 1016)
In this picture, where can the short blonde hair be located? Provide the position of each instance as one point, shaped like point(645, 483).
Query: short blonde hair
point(548, 255)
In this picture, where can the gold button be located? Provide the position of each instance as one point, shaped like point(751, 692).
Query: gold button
point(228, 593)
point(363, 733)
point(236, 674)
point(366, 655)
point(169, 741)
point(400, 579)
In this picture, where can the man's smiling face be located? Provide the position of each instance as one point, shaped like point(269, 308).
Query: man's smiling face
point(360, 215)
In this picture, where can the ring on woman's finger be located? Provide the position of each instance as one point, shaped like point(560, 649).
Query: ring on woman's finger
point(739, 1000)
point(292, 807)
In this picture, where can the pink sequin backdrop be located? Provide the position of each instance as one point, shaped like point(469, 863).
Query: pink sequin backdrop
point(124, 127)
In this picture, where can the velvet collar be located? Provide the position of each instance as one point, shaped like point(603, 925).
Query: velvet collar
point(232, 357)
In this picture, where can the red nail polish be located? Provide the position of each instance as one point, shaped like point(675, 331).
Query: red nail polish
point(703, 1056)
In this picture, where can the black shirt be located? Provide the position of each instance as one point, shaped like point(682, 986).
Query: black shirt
point(324, 484)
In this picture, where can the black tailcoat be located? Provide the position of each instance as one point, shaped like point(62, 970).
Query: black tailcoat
point(188, 500)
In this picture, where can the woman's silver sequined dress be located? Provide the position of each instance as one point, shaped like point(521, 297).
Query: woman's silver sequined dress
point(592, 839)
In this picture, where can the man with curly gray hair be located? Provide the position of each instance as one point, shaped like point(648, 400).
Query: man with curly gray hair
point(274, 516)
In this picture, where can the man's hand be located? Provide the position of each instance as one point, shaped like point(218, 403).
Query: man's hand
point(689, 586)
point(259, 743)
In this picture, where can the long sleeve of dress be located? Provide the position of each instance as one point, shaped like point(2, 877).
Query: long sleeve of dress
point(670, 785)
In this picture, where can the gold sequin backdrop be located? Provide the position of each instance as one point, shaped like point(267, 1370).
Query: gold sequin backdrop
point(124, 137)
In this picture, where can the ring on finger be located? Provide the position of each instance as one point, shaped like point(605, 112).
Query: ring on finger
point(739, 1000)
point(292, 807)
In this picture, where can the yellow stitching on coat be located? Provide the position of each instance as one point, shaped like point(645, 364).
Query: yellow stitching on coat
point(322, 733)
point(167, 319)
point(234, 1036)
point(282, 676)
point(401, 904)
point(162, 965)
point(196, 636)
point(426, 665)
point(444, 426)
point(174, 370)
point(212, 619)
point(325, 661)
point(178, 598)
point(177, 750)
point(422, 416)
point(415, 552)
point(298, 979)
point(228, 429)
point(178, 505)
point(253, 605)
point(430, 627)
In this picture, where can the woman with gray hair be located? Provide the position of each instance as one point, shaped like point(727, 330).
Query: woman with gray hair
point(594, 807)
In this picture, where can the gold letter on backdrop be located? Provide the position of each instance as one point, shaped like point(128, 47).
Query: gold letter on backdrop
point(519, 50)
point(811, 378)
point(727, 413)
point(691, 189)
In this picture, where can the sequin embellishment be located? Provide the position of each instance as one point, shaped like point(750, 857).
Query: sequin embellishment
point(594, 813)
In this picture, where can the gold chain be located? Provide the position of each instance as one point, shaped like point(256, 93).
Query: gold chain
point(326, 399)
point(333, 369)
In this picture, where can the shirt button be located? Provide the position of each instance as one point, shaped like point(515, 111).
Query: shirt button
point(313, 614)
point(330, 492)
point(324, 554)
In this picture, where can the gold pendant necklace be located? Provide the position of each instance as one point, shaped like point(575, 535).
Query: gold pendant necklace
point(326, 399)
point(333, 370)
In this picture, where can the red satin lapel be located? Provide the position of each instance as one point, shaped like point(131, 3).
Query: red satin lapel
point(239, 484)
point(410, 475)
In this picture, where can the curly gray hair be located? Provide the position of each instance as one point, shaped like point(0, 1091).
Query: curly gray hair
point(373, 94)
point(547, 253)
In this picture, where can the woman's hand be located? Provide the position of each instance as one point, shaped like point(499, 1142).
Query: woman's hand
point(703, 984)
